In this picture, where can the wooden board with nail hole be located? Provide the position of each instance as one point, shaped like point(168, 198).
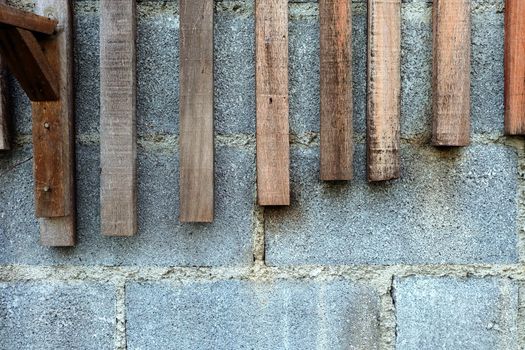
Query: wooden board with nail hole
point(273, 148)
point(53, 135)
point(196, 191)
point(10, 16)
point(335, 18)
point(451, 75)
point(384, 89)
point(118, 194)
point(515, 67)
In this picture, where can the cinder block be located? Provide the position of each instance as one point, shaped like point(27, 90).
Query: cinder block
point(252, 315)
point(454, 313)
point(450, 206)
point(57, 315)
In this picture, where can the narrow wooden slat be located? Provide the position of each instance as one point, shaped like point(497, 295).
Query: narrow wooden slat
point(118, 195)
point(4, 130)
point(273, 148)
point(451, 85)
point(196, 111)
point(26, 20)
point(28, 63)
point(336, 89)
point(384, 89)
point(515, 67)
point(53, 147)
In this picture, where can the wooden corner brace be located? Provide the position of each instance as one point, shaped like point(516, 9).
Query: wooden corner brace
point(44, 69)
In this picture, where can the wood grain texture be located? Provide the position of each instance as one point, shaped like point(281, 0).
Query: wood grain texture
point(384, 89)
point(273, 145)
point(451, 76)
point(196, 111)
point(11, 16)
point(53, 147)
point(4, 118)
point(515, 67)
point(27, 62)
point(118, 150)
point(336, 89)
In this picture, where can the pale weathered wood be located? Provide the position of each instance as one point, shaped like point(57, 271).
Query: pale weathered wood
point(196, 111)
point(451, 85)
point(53, 134)
point(515, 67)
point(273, 148)
point(4, 129)
point(118, 195)
point(384, 89)
point(11, 16)
point(336, 89)
point(26, 60)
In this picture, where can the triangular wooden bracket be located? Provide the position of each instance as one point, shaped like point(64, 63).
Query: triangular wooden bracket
point(44, 69)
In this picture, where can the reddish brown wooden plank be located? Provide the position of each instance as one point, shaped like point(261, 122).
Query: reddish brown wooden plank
point(53, 147)
point(384, 89)
point(28, 63)
point(515, 67)
point(336, 89)
point(4, 130)
point(196, 111)
point(26, 20)
point(118, 212)
point(273, 148)
point(451, 85)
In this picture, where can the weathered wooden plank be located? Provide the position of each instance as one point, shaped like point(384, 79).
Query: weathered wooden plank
point(384, 89)
point(336, 89)
point(4, 129)
point(11, 16)
point(273, 148)
point(451, 81)
point(515, 67)
point(196, 111)
point(53, 136)
point(26, 60)
point(118, 194)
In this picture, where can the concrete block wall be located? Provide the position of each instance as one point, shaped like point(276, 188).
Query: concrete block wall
point(435, 260)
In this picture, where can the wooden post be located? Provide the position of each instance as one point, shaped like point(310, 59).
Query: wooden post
point(196, 111)
point(4, 128)
point(273, 148)
point(118, 194)
point(451, 90)
point(336, 89)
point(384, 89)
point(515, 67)
point(53, 134)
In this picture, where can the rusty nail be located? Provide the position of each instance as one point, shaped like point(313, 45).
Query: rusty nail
point(46, 189)
point(46, 125)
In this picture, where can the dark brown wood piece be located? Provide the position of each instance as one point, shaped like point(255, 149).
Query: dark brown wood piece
point(515, 67)
point(273, 145)
point(28, 63)
point(14, 17)
point(336, 89)
point(118, 195)
point(451, 91)
point(196, 111)
point(4, 129)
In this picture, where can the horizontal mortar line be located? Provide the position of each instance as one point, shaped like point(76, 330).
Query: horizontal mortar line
point(370, 273)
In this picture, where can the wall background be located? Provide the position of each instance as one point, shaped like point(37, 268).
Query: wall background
point(434, 260)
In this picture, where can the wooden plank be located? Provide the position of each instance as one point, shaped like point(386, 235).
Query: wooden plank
point(28, 63)
point(196, 111)
point(11, 16)
point(4, 129)
point(451, 81)
point(273, 148)
point(515, 67)
point(384, 89)
point(336, 89)
point(118, 194)
point(53, 147)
